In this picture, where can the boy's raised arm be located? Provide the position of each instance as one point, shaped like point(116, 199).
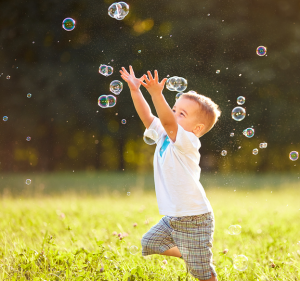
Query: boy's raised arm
point(140, 104)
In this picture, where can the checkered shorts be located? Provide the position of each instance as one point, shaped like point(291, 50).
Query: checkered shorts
point(193, 235)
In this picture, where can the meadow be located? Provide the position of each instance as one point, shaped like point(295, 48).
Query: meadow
point(67, 227)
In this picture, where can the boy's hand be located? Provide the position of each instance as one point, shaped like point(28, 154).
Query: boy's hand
point(152, 85)
point(133, 82)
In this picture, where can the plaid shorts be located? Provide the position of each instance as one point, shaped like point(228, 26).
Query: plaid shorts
point(193, 235)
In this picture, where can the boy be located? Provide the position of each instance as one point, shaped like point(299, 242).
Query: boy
point(186, 230)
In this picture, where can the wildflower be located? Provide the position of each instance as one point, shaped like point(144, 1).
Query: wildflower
point(165, 261)
point(225, 251)
point(114, 233)
point(135, 224)
point(101, 269)
point(125, 234)
point(120, 235)
point(163, 267)
point(273, 265)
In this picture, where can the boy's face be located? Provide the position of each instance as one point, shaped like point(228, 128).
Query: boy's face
point(186, 113)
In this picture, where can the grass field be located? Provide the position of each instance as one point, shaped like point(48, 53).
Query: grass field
point(69, 236)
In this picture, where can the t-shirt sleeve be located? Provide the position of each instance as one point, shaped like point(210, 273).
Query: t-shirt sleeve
point(186, 141)
point(157, 127)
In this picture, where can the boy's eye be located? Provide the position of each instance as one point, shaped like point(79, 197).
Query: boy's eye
point(182, 114)
point(173, 110)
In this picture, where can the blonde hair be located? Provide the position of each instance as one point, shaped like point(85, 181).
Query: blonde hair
point(208, 108)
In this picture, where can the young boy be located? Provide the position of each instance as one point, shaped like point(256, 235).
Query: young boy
point(186, 230)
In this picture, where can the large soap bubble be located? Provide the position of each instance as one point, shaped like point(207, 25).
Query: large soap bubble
point(249, 132)
point(68, 24)
point(294, 155)
point(106, 101)
point(235, 229)
point(240, 100)
point(176, 83)
point(238, 113)
point(116, 87)
point(150, 137)
point(240, 262)
point(118, 10)
point(261, 51)
point(106, 70)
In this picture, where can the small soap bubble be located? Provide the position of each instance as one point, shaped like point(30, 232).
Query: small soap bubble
point(28, 181)
point(208, 15)
point(261, 51)
point(240, 75)
point(176, 83)
point(150, 137)
point(29, 95)
point(240, 100)
point(8, 77)
point(232, 134)
point(102, 101)
point(294, 155)
point(118, 10)
point(116, 87)
point(123, 121)
point(249, 132)
point(255, 151)
point(224, 153)
point(263, 145)
point(68, 24)
point(139, 51)
point(234, 229)
point(240, 262)
point(238, 113)
point(5, 118)
point(133, 250)
point(178, 95)
point(106, 70)
point(128, 193)
point(218, 71)
point(111, 100)
point(28, 138)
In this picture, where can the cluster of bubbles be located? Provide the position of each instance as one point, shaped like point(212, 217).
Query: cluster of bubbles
point(238, 113)
point(263, 145)
point(240, 100)
point(29, 95)
point(249, 132)
point(176, 83)
point(106, 70)
point(133, 250)
point(68, 24)
point(224, 152)
point(5, 118)
point(261, 51)
point(294, 155)
point(234, 229)
point(28, 181)
point(28, 138)
point(240, 262)
point(106, 101)
point(118, 10)
point(255, 151)
point(150, 137)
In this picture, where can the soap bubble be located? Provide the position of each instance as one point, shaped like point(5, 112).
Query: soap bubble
point(249, 132)
point(8, 77)
point(150, 137)
point(106, 70)
point(139, 51)
point(294, 155)
point(224, 153)
point(68, 24)
point(28, 181)
point(128, 193)
point(240, 100)
point(261, 51)
point(118, 10)
point(133, 250)
point(232, 134)
point(102, 101)
point(111, 100)
point(240, 262)
point(123, 121)
point(255, 151)
point(29, 95)
point(178, 96)
point(263, 145)
point(238, 113)
point(235, 229)
point(28, 138)
point(218, 71)
point(5, 118)
point(116, 87)
point(176, 83)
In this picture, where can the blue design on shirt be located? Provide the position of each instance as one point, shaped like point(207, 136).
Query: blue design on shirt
point(164, 146)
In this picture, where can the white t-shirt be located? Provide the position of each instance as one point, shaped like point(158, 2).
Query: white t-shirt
point(177, 173)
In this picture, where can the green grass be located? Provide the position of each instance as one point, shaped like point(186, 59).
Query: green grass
point(70, 236)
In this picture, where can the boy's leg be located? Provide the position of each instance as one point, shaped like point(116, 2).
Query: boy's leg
point(173, 252)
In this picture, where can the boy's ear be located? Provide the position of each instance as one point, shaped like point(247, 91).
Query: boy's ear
point(198, 128)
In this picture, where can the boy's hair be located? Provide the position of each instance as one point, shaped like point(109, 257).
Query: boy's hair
point(208, 108)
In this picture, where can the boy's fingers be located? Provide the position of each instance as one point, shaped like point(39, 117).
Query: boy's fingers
point(163, 81)
point(146, 78)
point(144, 84)
point(150, 75)
point(131, 70)
point(124, 69)
point(155, 75)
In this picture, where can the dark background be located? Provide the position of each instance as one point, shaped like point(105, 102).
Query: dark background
point(60, 69)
